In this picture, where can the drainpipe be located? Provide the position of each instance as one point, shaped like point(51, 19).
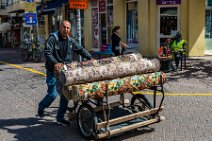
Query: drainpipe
point(79, 30)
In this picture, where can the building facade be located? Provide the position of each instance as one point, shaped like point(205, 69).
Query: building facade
point(145, 24)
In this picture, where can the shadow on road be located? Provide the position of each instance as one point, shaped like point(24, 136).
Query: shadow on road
point(195, 68)
point(30, 129)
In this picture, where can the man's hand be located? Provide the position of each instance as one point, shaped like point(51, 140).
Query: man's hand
point(88, 62)
point(57, 67)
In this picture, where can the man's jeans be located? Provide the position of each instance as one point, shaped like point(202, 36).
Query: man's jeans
point(51, 95)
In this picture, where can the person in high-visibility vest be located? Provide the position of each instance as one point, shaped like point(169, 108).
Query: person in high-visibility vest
point(178, 48)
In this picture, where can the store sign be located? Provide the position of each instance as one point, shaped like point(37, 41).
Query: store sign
point(102, 5)
point(168, 2)
point(31, 18)
point(30, 7)
point(78, 4)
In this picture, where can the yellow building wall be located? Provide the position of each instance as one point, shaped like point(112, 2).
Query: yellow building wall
point(147, 19)
point(152, 28)
point(196, 27)
point(119, 17)
point(184, 19)
point(143, 27)
point(192, 25)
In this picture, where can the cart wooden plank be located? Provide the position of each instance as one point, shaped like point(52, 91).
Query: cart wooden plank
point(127, 128)
point(127, 117)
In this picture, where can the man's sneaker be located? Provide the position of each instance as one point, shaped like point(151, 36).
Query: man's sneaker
point(40, 113)
point(64, 122)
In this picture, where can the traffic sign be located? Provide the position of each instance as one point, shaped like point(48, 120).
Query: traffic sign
point(30, 7)
point(31, 18)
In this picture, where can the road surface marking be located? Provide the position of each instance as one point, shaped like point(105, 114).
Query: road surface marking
point(20, 67)
point(174, 94)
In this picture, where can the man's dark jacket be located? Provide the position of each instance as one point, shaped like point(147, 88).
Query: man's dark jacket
point(53, 55)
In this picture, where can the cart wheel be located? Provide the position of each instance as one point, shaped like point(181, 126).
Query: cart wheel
point(140, 103)
point(37, 55)
point(87, 121)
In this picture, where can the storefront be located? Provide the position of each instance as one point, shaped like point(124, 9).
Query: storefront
point(101, 22)
point(168, 19)
point(132, 24)
point(185, 16)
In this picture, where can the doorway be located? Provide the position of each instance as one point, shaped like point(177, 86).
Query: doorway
point(168, 23)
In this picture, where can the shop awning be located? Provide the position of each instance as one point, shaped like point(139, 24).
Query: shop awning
point(4, 27)
point(51, 6)
point(169, 12)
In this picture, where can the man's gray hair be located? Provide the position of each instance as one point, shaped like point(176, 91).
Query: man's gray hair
point(61, 22)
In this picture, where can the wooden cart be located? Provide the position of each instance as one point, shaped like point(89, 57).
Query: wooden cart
point(98, 118)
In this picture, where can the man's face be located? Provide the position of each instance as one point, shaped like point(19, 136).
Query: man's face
point(65, 28)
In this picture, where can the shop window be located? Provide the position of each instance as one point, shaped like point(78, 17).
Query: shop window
point(102, 22)
point(208, 25)
point(109, 22)
point(209, 2)
point(95, 27)
point(9, 2)
point(132, 24)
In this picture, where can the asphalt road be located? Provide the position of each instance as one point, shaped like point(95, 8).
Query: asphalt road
point(188, 105)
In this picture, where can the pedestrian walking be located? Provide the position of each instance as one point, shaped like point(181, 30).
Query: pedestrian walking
point(58, 51)
point(118, 47)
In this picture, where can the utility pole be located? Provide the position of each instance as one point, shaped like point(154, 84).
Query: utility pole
point(79, 4)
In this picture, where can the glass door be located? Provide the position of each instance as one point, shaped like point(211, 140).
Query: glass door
point(169, 23)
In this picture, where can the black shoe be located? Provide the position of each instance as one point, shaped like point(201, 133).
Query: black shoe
point(40, 113)
point(64, 122)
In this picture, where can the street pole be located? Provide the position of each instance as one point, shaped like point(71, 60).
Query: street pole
point(79, 36)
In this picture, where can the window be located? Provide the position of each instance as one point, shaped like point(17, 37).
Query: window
point(102, 22)
point(132, 24)
point(168, 21)
point(208, 25)
point(109, 21)
point(209, 2)
point(9, 2)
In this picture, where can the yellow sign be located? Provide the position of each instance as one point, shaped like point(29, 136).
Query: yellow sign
point(30, 7)
point(78, 4)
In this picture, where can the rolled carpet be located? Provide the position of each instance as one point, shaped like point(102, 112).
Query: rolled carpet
point(116, 86)
point(107, 71)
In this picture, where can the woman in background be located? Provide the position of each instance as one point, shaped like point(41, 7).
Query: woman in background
point(118, 46)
